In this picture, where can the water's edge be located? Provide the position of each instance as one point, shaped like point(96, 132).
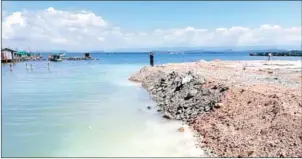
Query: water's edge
point(205, 152)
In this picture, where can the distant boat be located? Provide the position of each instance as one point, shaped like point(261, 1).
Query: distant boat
point(55, 57)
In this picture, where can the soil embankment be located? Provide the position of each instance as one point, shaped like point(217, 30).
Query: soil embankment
point(239, 108)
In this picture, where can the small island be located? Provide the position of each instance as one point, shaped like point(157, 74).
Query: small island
point(279, 53)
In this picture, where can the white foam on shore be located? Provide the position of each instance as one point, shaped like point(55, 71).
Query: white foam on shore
point(162, 139)
point(124, 83)
point(157, 139)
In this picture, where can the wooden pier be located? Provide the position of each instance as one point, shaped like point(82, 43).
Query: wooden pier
point(86, 57)
point(78, 58)
point(22, 60)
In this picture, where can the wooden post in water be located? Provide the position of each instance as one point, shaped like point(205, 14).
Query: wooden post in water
point(11, 67)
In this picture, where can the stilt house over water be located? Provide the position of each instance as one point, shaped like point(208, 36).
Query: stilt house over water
point(7, 55)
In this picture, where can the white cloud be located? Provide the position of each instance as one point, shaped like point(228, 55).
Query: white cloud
point(83, 30)
point(59, 40)
point(101, 38)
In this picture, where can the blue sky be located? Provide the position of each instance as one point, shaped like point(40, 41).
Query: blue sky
point(152, 14)
point(148, 16)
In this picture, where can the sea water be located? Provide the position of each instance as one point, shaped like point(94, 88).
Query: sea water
point(90, 109)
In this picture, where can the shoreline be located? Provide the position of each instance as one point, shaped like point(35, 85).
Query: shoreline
point(273, 87)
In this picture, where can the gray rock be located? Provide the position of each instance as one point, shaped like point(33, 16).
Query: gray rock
point(182, 96)
point(167, 116)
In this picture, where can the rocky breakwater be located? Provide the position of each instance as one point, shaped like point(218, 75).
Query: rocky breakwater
point(180, 95)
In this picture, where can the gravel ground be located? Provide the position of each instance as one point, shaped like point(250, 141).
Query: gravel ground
point(261, 114)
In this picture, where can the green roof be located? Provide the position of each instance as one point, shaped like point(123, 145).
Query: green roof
point(21, 53)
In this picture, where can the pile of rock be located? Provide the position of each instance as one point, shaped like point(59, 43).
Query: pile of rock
point(182, 96)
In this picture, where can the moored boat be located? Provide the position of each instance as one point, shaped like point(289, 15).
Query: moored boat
point(55, 57)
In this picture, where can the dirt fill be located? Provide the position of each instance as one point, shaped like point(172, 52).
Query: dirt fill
point(254, 124)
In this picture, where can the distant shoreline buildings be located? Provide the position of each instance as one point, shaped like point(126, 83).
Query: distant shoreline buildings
point(10, 55)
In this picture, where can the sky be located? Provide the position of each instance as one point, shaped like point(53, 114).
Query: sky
point(109, 26)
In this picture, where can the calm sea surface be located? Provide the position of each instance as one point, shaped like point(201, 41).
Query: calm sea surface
point(90, 109)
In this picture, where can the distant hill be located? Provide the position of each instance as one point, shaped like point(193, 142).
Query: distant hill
point(223, 49)
point(59, 51)
point(197, 49)
point(268, 50)
point(97, 51)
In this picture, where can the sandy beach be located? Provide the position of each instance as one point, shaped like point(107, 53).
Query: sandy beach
point(239, 108)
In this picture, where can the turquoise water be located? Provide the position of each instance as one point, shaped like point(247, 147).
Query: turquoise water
point(89, 109)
